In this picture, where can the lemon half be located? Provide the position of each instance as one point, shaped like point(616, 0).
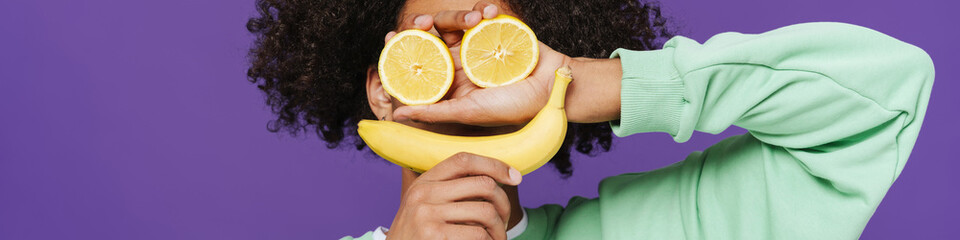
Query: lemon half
point(499, 51)
point(415, 67)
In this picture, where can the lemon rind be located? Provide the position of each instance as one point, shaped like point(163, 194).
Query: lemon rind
point(436, 42)
point(499, 19)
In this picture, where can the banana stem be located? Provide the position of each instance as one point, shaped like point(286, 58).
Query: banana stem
point(559, 91)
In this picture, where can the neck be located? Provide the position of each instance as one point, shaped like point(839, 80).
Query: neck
point(407, 177)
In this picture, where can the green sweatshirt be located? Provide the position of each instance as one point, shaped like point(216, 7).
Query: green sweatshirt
point(832, 111)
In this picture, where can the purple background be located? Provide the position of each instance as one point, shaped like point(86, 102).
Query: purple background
point(134, 120)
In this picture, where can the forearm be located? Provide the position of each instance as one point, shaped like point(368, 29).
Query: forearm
point(799, 86)
point(594, 94)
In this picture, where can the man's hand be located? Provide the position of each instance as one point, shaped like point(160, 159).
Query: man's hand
point(467, 103)
point(458, 198)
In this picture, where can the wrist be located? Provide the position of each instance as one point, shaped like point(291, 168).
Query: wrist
point(594, 93)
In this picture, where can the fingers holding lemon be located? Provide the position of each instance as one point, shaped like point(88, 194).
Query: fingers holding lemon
point(494, 54)
point(416, 67)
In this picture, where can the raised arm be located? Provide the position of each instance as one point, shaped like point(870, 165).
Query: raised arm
point(833, 112)
point(799, 86)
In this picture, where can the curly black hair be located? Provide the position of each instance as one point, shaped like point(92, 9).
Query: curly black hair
point(310, 57)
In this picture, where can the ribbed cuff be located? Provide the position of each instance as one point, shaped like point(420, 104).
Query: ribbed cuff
point(651, 94)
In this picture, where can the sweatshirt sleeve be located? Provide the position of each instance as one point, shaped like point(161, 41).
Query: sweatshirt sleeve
point(832, 111)
point(804, 86)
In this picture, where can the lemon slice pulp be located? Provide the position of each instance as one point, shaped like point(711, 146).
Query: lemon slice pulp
point(499, 51)
point(415, 67)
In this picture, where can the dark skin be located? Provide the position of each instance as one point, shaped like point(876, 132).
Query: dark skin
point(471, 196)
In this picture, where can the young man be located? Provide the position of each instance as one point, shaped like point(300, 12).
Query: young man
point(833, 111)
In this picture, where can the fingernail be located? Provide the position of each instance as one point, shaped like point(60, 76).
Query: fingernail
point(470, 16)
point(488, 11)
point(419, 20)
point(389, 35)
point(515, 176)
point(397, 118)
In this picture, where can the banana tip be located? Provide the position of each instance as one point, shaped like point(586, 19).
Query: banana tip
point(565, 72)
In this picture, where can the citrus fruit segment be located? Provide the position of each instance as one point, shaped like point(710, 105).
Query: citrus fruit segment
point(499, 51)
point(415, 67)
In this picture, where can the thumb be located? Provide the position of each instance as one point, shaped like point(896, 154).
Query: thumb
point(458, 110)
point(453, 110)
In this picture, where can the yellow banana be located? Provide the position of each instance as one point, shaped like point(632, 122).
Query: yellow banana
point(526, 149)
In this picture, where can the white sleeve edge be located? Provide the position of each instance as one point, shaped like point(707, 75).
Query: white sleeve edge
point(380, 233)
point(520, 227)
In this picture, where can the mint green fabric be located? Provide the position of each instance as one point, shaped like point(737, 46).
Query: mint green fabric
point(832, 111)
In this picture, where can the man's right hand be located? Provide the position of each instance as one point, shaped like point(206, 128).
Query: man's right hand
point(458, 198)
